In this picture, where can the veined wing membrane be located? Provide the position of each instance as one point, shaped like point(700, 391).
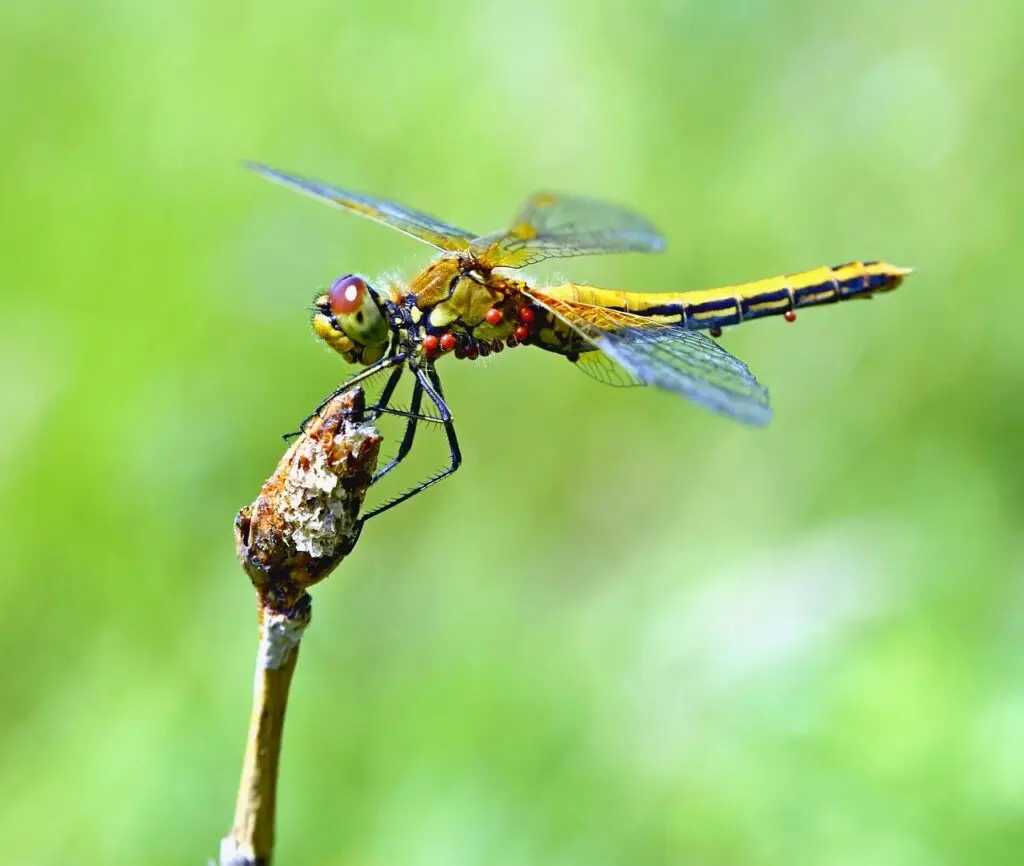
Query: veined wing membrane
point(550, 225)
point(599, 367)
point(669, 356)
point(419, 225)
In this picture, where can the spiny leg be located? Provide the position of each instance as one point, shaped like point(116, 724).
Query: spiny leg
point(428, 382)
point(454, 452)
point(381, 406)
point(407, 437)
point(388, 391)
point(383, 364)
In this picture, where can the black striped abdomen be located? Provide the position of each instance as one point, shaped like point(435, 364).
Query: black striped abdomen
point(733, 305)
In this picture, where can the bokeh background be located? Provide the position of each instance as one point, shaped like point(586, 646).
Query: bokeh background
point(627, 631)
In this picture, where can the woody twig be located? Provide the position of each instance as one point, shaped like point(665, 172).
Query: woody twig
point(303, 523)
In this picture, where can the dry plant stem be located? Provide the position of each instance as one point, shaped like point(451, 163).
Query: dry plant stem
point(304, 522)
point(252, 837)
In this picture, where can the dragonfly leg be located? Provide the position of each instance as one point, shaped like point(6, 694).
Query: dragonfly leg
point(407, 437)
point(381, 407)
point(454, 452)
point(383, 364)
point(429, 383)
point(388, 391)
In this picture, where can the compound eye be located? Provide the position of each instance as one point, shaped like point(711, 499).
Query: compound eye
point(346, 295)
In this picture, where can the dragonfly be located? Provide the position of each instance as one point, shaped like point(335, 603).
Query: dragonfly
point(466, 303)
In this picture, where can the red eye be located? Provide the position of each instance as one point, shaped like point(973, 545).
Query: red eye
point(346, 295)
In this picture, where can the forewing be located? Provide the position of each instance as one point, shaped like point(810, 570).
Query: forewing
point(550, 225)
point(669, 356)
point(415, 223)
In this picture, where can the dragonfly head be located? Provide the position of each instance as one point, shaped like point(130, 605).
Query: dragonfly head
point(350, 318)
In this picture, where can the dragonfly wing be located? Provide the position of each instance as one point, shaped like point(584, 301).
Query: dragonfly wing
point(419, 225)
point(669, 356)
point(550, 225)
point(598, 366)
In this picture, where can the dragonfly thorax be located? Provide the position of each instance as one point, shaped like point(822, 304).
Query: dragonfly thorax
point(352, 319)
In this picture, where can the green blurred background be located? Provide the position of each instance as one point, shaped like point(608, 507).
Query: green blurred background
point(627, 631)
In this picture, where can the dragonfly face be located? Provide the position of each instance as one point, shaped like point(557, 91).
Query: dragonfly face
point(352, 319)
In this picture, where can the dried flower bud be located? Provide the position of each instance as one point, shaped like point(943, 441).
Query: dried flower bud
point(305, 519)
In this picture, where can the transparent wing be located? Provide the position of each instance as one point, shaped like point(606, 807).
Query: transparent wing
point(419, 225)
point(598, 366)
point(549, 225)
point(668, 356)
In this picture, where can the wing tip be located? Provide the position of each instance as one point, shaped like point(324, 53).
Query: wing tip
point(760, 419)
point(748, 410)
